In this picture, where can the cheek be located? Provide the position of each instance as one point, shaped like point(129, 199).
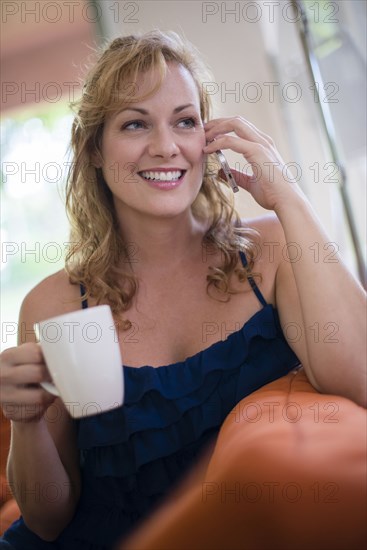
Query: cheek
point(120, 160)
point(196, 148)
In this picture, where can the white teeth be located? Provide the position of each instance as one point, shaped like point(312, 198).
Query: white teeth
point(162, 176)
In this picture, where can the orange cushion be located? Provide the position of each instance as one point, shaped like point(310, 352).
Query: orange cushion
point(288, 472)
point(9, 512)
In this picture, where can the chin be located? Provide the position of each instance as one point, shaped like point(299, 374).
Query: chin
point(171, 207)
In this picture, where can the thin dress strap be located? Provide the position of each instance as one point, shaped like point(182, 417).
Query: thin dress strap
point(254, 286)
point(82, 292)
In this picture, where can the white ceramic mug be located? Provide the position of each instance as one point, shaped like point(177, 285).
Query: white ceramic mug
point(83, 357)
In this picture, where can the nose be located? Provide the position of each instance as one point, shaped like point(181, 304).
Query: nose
point(163, 143)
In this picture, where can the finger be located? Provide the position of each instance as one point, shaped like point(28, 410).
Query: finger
point(234, 121)
point(241, 128)
point(30, 395)
point(251, 151)
point(242, 180)
point(24, 374)
point(26, 353)
point(239, 125)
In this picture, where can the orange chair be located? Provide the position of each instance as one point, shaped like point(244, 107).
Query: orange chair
point(288, 472)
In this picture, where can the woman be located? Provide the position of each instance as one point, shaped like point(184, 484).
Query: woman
point(199, 297)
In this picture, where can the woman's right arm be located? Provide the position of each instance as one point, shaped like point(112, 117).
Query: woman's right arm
point(43, 470)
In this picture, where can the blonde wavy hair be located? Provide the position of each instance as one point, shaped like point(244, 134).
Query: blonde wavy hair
point(97, 250)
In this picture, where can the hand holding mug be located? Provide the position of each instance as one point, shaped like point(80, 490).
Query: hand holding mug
point(83, 357)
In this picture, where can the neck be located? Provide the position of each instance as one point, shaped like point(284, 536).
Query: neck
point(157, 245)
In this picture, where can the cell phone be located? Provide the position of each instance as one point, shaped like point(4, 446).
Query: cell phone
point(227, 171)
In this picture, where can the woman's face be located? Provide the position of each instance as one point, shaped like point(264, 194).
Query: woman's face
point(152, 150)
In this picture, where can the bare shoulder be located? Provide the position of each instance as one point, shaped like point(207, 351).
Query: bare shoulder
point(270, 241)
point(268, 226)
point(53, 296)
point(269, 244)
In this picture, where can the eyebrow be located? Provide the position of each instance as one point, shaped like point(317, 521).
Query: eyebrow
point(145, 112)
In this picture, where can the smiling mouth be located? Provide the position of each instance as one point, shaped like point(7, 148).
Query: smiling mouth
point(175, 175)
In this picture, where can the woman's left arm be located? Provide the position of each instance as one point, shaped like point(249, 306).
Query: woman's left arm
point(330, 308)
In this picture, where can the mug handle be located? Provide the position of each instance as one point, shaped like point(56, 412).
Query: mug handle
point(51, 388)
point(48, 386)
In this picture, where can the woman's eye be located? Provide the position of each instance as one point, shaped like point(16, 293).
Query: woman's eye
point(187, 123)
point(133, 125)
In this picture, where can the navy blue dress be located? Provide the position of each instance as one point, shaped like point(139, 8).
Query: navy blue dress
point(131, 457)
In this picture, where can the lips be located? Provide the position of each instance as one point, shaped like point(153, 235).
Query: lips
point(163, 180)
point(160, 175)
